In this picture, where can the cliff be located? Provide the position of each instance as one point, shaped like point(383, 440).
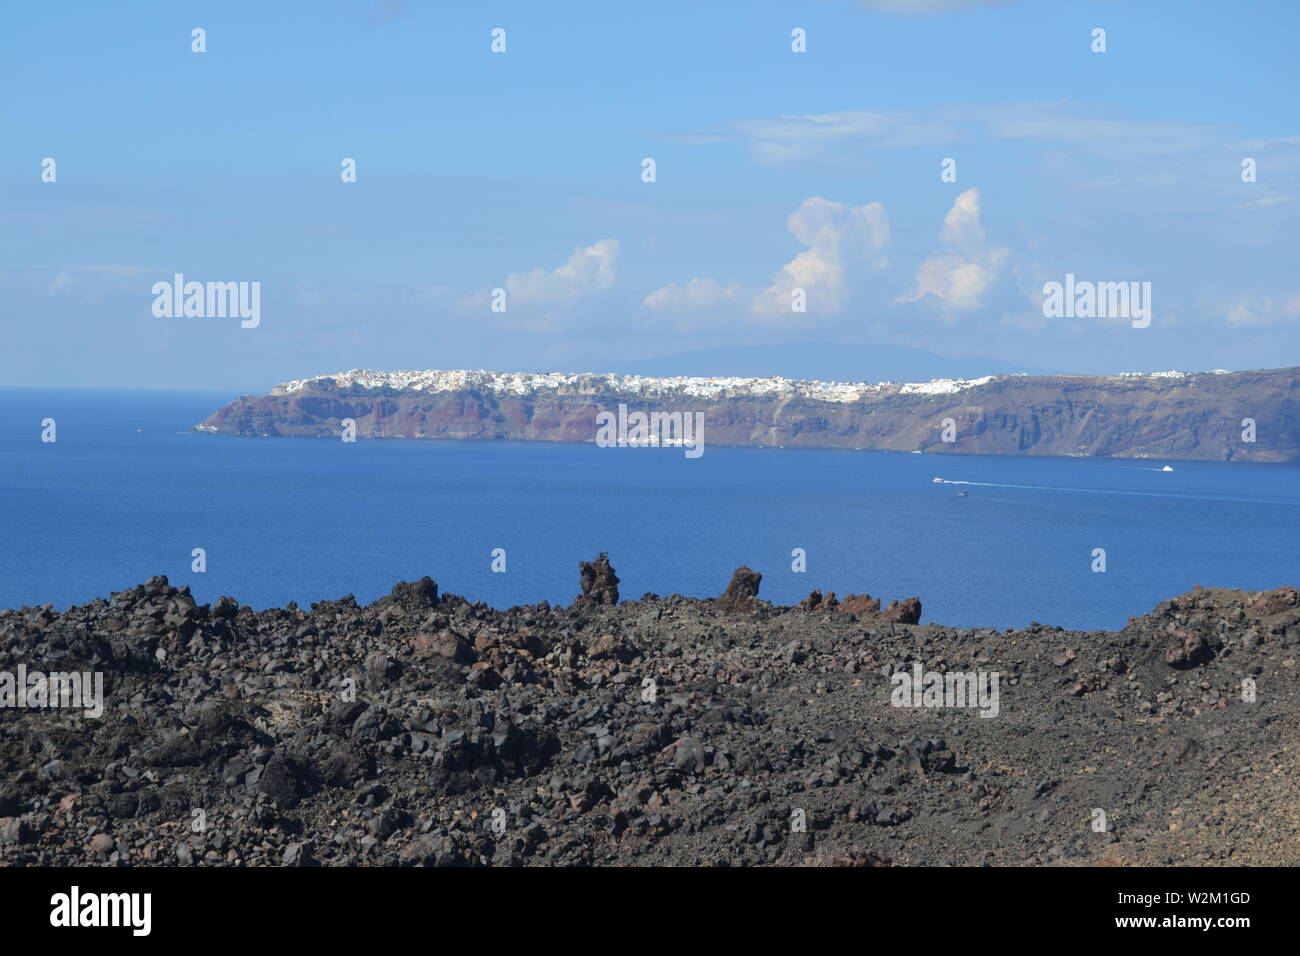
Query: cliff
point(1168, 415)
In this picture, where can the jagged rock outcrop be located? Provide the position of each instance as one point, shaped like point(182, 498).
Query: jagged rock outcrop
point(907, 611)
point(863, 607)
point(1237, 416)
point(816, 601)
point(742, 591)
point(598, 581)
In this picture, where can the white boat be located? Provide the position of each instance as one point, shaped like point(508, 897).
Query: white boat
point(1166, 468)
point(938, 481)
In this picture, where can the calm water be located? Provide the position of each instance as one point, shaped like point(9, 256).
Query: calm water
point(127, 491)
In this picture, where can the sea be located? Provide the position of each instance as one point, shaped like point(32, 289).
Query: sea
point(128, 489)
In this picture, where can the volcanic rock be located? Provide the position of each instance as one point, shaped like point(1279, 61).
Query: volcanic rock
point(1188, 650)
point(742, 590)
point(662, 732)
point(598, 581)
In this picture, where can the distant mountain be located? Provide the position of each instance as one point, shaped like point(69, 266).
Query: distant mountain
point(1246, 416)
point(818, 361)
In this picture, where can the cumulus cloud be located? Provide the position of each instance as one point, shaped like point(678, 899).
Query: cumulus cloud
point(589, 269)
point(838, 237)
point(1252, 309)
point(840, 240)
point(694, 295)
point(966, 266)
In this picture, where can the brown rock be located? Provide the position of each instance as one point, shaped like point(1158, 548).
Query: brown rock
point(861, 606)
point(599, 582)
point(101, 843)
point(607, 647)
point(865, 608)
point(741, 591)
point(482, 675)
point(817, 602)
point(416, 594)
point(446, 644)
point(1271, 603)
point(1188, 650)
point(908, 612)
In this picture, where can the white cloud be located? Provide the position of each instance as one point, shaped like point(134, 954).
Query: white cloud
point(841, 241)
point(1252, 309)
point(963, 271)
point(781, 140)
point(1062, 123)
point(1270, 142)
point(962, 227)
point(838, 237)
point(696, 294)
point(841, 136)
point(589, 269)
point(1266, 202)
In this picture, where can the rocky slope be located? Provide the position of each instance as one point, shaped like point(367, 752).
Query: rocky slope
point(1168, 415)
point(660, 731)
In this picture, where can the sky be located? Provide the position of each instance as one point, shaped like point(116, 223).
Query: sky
point(524, 171)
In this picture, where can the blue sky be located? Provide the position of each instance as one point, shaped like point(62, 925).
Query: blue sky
point(522, 170)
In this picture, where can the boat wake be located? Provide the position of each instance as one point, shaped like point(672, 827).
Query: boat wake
point(1117, 491)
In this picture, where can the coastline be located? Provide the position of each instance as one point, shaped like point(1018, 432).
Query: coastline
point(1209, 416)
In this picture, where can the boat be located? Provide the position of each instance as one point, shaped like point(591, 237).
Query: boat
point(962, 494)
point(1166, 468)
point(938, 481)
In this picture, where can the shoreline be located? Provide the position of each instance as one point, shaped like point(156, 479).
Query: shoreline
point(1208, 416)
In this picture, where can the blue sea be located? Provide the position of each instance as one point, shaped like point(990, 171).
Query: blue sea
point(129, 490)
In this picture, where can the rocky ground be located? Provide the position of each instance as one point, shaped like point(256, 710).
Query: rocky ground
point(426, 730)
